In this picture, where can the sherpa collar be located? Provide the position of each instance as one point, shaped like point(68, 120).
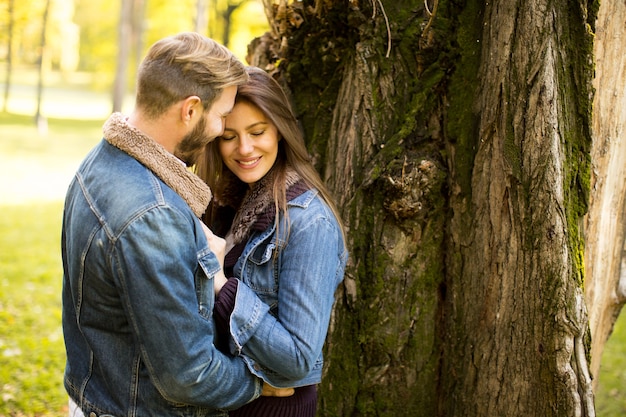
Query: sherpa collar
point(166, 166)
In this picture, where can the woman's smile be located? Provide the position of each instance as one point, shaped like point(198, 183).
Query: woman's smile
point(249, 163)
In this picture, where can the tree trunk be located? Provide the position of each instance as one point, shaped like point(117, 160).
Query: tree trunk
point(605, 255)
point(139, 14)
point(124, 43)
point(201, 21)
point(9, 66)
point(227, 18)
point(40, 120)
point(516, 316)
point(457, 138)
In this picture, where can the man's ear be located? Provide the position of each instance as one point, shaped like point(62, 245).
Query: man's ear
point(191, 109)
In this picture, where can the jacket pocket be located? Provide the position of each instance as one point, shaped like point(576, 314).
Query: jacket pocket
point(261, 272)
point(204, 284)
point(263, 253)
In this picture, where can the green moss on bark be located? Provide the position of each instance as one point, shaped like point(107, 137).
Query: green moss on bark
point(462, 126)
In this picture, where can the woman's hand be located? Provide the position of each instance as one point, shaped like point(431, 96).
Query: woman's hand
point(218, 247)
point(271, 391)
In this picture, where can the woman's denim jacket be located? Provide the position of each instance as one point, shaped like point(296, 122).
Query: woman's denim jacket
point(296, 273)
point(138, 299)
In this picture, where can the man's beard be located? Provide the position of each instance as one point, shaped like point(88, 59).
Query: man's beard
point(189, 149)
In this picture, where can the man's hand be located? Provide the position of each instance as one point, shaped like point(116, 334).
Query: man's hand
point(270, 391)
point(218, 247)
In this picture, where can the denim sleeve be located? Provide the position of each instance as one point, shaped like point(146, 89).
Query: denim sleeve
point(164, 270)
point(308, 278)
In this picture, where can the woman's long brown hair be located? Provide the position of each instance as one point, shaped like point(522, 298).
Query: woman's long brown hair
point(266, 94)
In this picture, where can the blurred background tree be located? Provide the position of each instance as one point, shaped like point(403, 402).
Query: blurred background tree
point(22, 24)
point(105, 40)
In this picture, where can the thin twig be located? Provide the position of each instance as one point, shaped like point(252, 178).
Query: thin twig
point(388, 28)
point(426, 7)
point(431, 16)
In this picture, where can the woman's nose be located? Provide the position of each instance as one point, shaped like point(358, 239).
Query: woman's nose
point(246, 146)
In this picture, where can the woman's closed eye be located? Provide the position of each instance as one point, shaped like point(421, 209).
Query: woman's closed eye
point(256, 133)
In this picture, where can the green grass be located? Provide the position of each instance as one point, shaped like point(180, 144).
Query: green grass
point(611, 391)
point(32, 355)
point(66, 140)
point(35, 170)
point(37, 167)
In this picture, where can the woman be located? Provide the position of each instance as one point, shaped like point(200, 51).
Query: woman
point(294, 260)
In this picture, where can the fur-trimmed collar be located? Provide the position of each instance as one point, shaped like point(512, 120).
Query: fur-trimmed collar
point(166, 166)
point(256, 203)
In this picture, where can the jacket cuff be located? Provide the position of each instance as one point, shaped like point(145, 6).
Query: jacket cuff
point(246, 318)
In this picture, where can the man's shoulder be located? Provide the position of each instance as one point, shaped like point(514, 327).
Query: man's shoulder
point(121, 188)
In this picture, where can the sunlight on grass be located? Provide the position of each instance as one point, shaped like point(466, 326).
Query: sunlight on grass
point(81, 105)
point(36, 167)
point(31, 340)
point(611, 393)
point(35, 171)
point(62, 96)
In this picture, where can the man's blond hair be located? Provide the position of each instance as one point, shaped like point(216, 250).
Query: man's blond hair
point(184, 65)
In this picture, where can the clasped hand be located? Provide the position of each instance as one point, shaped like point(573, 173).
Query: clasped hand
point(271, 391)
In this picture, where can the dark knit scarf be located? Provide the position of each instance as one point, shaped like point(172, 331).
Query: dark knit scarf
point(163, 164)
point(257, 212)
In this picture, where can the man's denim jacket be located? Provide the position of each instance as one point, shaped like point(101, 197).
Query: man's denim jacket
point(138, 299)
point(296, 273)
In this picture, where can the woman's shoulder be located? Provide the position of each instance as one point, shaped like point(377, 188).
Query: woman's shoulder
point(309, 203)
point(305, 199)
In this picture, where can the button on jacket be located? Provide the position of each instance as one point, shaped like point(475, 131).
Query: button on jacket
point(138, 298)
point(296, 273)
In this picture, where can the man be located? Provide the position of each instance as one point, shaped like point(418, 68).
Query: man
point(139, 272)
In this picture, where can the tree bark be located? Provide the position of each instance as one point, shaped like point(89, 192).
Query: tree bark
point(457, 138)
point(605, 226)
point(516, 315)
